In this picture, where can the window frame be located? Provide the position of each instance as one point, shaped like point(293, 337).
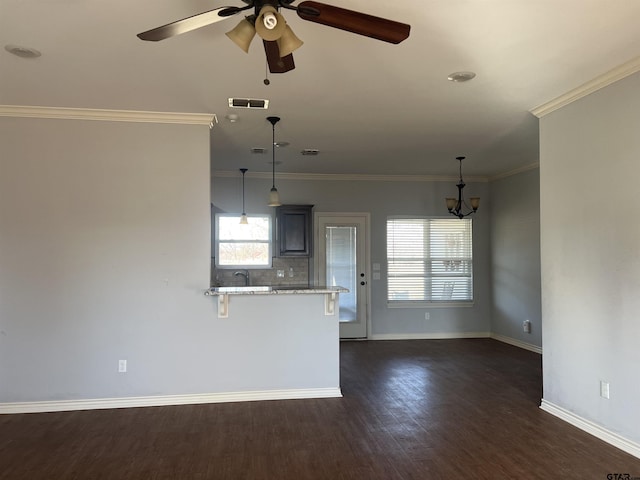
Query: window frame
point(422, 303)
point(268, 241)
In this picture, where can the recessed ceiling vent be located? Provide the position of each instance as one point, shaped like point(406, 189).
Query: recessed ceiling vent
point(259, 150)
point(310, 151)
point(23, 52)
point(249, 103)
point(459, 77)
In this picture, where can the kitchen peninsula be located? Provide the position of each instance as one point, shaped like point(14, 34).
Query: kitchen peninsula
point(290, 333)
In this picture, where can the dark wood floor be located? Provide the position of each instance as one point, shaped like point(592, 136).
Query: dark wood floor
point(425, 409)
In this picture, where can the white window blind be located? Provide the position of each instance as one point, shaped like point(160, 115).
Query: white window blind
point(243, 245)
point(429, 260)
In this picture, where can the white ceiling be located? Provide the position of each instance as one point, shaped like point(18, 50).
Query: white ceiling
point(368, 106)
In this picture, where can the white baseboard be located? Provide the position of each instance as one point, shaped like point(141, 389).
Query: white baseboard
point(427, 336)
point(517, 343)
point(594, 429)
point(164, 400)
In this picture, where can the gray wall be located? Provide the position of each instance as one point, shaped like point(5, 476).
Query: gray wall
point(382, 199)
point(515, 256)
point(104, 229)
point(590, 248)
point(105, 253)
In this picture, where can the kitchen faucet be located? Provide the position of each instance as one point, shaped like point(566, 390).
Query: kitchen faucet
point(245, 274)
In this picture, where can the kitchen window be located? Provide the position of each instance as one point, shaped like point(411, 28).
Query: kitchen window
point(429, 260)
point(243, 246)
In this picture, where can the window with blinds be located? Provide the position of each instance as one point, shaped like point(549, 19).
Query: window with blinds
point(429, 260)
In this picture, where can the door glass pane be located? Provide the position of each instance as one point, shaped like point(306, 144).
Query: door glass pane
point(341, 268)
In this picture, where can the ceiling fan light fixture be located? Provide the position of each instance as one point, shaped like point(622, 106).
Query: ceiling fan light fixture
point(242, 34)
point(288, 42)
point(270, 25)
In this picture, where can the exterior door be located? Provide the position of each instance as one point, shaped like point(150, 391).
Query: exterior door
point(342, 260)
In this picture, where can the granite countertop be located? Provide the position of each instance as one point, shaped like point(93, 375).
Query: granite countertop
point(275, 290)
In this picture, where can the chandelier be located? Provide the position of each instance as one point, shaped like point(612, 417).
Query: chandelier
point(455, 206)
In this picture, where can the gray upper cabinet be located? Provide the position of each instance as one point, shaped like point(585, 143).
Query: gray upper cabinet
point(294, 230)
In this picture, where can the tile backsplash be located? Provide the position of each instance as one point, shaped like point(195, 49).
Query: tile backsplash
point(293, 272)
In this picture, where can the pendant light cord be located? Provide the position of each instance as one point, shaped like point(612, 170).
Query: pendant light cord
point(243, 170)
point(273, 153)
point(274, 197)
point(273, 121)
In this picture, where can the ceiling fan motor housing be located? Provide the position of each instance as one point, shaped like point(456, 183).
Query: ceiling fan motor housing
point(261, 3)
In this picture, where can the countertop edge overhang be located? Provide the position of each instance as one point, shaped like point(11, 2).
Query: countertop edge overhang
point(223, 293)
point(266, 290)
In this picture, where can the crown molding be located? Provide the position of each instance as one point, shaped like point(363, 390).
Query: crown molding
point(350, 177)
point(618, 73)
point(108, 115)
point(510, 173)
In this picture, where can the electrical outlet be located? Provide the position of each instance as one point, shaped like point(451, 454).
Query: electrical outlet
point(280, 273)
point(604, 389)
point(427, 315)
point(122, 366)
point(526, 326)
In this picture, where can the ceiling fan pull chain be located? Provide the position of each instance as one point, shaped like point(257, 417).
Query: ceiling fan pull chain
point(266, 73)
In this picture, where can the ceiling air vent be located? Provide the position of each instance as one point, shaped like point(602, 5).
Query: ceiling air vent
point(249, 103)
point(310, 151)
point(259, 150)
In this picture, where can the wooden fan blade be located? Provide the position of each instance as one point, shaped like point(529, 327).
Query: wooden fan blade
point(189, 23)
point(355, 22)
point(277, 64)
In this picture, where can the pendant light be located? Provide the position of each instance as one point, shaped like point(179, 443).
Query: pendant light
point(243, 217)
point(455, 206)
point(274, 196)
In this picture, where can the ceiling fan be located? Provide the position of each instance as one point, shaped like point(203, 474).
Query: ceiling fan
point(278, 38)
